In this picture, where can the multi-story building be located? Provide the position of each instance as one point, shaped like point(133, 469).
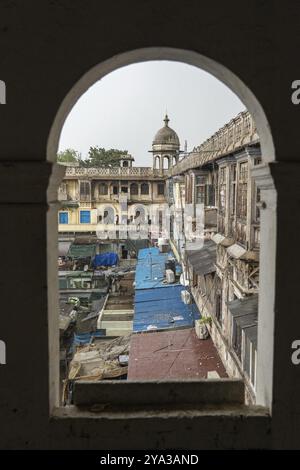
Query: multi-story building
point(105, 200)
point(221, 256)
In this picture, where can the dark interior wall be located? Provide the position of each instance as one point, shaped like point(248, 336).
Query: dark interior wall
point(45, 47)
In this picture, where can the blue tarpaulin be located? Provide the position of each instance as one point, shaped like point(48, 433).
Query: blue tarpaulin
point(156, 308)
point(85, 338)
point(160, 309)
point(145, 252)
point(106, 259)
point(150, 269)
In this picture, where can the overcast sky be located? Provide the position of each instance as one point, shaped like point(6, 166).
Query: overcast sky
point(126, 108)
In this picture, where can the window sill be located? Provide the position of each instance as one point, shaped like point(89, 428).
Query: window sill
point(103, 412)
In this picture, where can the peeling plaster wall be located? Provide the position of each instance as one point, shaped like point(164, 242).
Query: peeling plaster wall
point(46, 47)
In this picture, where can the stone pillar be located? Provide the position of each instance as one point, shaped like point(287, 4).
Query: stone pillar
point(161, 165)
point(283, 236)
point(29, 229)
point(268, 233)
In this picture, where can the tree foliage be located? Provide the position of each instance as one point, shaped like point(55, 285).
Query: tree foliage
point(98, 156)
point(69, 155)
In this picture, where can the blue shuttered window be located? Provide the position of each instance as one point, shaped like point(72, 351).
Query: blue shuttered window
point(63, 218)
point(85, 217)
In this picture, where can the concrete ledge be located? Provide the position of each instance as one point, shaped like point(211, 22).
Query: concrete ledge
point(162, 412)
point(169, 427)
point(225, 391)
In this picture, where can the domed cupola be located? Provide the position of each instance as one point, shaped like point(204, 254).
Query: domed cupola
point(166, 137)
point(165, 147)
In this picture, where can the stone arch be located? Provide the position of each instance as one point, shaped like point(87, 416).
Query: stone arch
point(156, 165)
point(145, 189)
point(262, 175)
point(140, 213)
point(103, 189)
point(109, 215)
point(134, 189)
point(163, 53)
point(2, 92)
point(167, 162)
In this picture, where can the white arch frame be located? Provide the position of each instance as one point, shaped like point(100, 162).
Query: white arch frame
point(157, 162)
point(2, 92)
point(136, 207)
point(113, 212)
point(143, 184)
point(167, 158)
point(263, 179)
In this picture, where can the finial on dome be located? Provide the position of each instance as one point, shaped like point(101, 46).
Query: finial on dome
point(166, 120)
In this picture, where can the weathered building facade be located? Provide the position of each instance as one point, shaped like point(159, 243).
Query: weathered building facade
point(124, 198)
point(219, 245)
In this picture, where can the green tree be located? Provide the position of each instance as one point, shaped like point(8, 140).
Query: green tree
point(98, 156)
point(69, 155)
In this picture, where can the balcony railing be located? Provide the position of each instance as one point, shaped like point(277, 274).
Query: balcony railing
point(117, 172)
point(238, 132)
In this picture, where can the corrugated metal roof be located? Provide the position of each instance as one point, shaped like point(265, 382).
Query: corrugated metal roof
point(145, 252)
point(238, 252)
point(219, 239)
point(157, 308)
point(82, 250)
point(160, 309)
point(176, 354)
point(203, 261)
point(150, 269)
point(149, 295)
point(245, 314)
point(251, 334)
point(245, 306)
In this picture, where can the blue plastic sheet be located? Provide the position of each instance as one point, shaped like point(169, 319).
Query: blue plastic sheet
point(106, 259)
point(160, 309)
point(150, 269)
point(85, 338)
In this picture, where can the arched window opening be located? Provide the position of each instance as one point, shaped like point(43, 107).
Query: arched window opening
point(232, 230)
point(145, 189)
point(140, 215)
point(108, 215)
point(157, 162)
point(166, 162)
point(160, 189)
point(103, 189)
point(134, 189)
point(2, 92)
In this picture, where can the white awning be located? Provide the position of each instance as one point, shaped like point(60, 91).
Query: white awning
point(238, 252)
point(222, 240)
